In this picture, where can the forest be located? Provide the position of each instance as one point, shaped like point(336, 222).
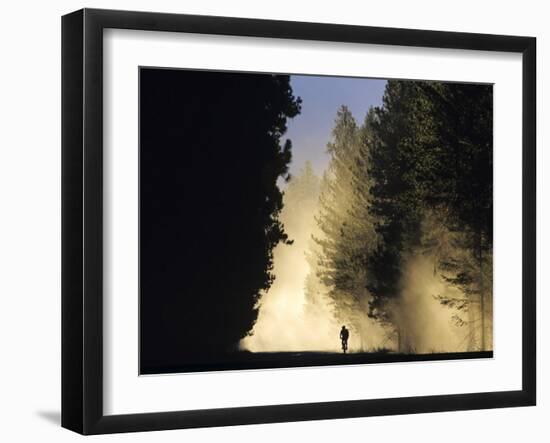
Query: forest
point(400, 228)
point(237, 256)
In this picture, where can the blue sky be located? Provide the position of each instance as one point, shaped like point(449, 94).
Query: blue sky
point(321, 98)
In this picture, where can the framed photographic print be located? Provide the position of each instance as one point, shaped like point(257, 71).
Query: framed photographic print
point(269, 221)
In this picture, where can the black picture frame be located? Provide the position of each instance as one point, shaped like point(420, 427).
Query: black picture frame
point(82, 218)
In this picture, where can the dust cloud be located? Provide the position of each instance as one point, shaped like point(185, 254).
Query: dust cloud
point(296, 314)
point(286, 321)
point(425, 325)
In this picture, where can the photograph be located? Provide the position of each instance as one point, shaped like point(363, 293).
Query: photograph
point(291, 220)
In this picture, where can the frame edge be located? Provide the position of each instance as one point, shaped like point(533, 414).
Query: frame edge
point(72, 117)
point(529, 220)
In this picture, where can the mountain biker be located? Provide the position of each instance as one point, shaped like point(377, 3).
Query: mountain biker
point(344, 335)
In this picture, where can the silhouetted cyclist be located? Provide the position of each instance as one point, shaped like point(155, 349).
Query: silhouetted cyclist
point(344, 335)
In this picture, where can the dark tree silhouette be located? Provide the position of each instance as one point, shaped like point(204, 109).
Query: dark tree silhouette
point(432, 154)
point(211, 153)
point(402, 130)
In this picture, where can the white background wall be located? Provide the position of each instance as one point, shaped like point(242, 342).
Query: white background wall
point(30, 218)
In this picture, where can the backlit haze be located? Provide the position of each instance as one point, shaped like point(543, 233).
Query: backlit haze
point(283, 324)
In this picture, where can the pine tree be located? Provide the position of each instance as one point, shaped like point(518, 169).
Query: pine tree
point(464, 173)
point(212, 150)
point(334, 270)
point(399, 127)
point(432, 171)
point(347, 232)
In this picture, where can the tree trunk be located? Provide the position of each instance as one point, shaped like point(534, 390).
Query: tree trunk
point(471, 343)
point(399, 344)
point(481, 292)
